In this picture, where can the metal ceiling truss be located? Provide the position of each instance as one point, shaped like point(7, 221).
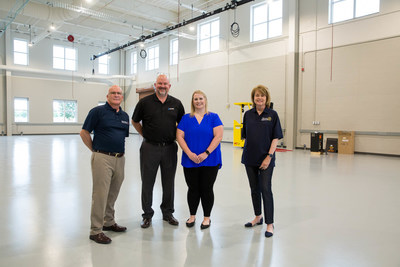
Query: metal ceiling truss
point(13, 14)
point(228, 6)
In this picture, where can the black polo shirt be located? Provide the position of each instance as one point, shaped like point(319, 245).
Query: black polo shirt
point(159, 120)
point(109, 127)
point(259, 131)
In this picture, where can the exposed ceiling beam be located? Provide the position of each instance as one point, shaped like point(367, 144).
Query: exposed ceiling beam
point(232, 5)
point(13, 14)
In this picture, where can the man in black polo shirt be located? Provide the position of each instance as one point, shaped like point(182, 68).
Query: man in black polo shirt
point(110, 125)
point(155, 118)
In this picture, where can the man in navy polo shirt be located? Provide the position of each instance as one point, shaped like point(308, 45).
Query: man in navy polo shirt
point(110, 125)
point(155, 118)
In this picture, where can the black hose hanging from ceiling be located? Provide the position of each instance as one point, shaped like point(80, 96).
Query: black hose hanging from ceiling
point(235, 29)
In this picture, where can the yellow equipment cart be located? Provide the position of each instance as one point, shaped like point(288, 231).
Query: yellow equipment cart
point(237, 127)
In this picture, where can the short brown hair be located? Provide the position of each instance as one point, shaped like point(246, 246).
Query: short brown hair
point(264, 91)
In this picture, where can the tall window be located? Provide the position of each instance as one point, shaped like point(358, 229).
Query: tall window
point(65, 111)
point(341, 10)
point(21, 109)
point(266, 20)
point(103, 64)
point(208, 36)
point(21, 52)
point(153, 58)
point(134, 62)
point(173, 52)
point(64, 58)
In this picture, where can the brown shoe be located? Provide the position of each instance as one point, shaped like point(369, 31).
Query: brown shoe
point(115, 228)
point(100, 238)
point(146, 222)
point(171, 220)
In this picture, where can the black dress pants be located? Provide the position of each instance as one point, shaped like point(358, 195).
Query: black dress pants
point(200, 182)
point(151, 158)
point(260, 185)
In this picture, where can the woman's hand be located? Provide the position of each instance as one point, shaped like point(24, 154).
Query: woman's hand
point(202, 156)
point(193, 157)
point(265, 163)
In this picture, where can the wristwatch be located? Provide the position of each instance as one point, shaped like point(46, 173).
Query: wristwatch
point(207, 152)
point(271, 155)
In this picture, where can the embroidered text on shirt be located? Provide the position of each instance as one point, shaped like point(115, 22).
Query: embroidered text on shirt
point(266, 119)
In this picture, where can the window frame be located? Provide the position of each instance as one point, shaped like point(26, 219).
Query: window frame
point(134, 61)
point(22, 53)
point(173, 55)
point(354, 10)
point(267, 21)
point(64, 102)
point(23, 110)
point(208, 39)
point(101, 65)
point(153, 63)
point(64, 58)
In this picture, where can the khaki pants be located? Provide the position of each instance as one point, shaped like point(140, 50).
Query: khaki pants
point(108, 174)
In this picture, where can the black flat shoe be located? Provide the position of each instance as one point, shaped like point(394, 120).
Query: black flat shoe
point(249, 224)
point(205, 226)
point(188, 224)
point(269, 234)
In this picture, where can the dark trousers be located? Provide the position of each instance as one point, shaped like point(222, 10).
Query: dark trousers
point(152, 157)
point(200, 182)
point(260, 185)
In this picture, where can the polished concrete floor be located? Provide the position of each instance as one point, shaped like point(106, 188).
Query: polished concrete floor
point(330, 210)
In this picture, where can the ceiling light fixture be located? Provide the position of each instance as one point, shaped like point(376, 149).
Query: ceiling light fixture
point(191, 28)
point(52, 27)
point(109, 56)
point(30, 44)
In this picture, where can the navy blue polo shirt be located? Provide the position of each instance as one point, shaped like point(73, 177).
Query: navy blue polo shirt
point(109, 127)
point(259, 131)
point(159, 119)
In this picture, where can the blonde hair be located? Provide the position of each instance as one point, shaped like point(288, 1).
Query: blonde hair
point(192, 108)
point(264, 91)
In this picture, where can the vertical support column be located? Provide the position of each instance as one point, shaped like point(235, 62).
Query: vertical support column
point(8, 90)
point(9, 103)
point(292, 74)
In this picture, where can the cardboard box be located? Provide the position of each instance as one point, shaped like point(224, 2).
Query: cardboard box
point(346, 142)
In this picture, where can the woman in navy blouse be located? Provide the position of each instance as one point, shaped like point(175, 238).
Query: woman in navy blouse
point(262, 130)
point(199, 135)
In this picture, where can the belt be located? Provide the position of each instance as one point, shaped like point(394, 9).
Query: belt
point(117, 155)
point(159, 143)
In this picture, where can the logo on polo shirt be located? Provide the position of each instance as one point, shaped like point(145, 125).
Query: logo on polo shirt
point(171, 108)
point(125, 122)
point(266, 119)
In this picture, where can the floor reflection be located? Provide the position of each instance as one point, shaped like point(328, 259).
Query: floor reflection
point(21, 162)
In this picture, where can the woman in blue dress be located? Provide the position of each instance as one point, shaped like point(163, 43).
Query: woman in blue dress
point(199, 135)
point(262, 130)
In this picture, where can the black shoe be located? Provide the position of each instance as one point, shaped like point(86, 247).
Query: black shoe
point(249, 224)
point(115, 228)
point(205, 226)
point(171, 220)
point(269, 234)
point(146, 222)
point(188, 224)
